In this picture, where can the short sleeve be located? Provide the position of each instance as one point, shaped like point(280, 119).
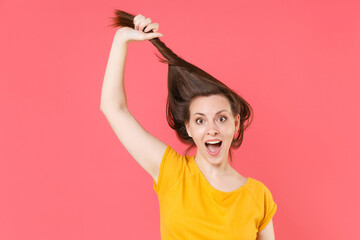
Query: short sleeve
point(269, 208)
point(171, 170)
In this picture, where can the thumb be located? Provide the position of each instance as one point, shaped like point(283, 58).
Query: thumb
point(153, 35)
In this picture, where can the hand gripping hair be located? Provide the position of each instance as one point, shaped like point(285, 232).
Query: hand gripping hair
point(185, 82)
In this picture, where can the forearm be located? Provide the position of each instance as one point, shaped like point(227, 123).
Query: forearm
point(113, 93)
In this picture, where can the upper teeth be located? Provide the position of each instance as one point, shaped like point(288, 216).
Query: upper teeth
point(214, 142)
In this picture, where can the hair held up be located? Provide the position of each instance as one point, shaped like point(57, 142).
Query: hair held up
point(185, 82)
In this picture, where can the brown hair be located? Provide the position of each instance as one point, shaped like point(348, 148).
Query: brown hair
point(185, 82)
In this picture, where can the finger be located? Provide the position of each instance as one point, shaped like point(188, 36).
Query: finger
point(152, 26)
point(156, 27)
point(144, 23)
point(136, 17)
point(138, 21)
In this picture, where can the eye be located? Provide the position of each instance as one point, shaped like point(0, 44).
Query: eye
point(222, 119)
point(199, 121)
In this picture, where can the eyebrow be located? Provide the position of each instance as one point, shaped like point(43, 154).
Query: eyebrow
point(215, 114)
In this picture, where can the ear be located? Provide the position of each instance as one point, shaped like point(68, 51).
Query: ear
point(187, 128)
point(237, 123)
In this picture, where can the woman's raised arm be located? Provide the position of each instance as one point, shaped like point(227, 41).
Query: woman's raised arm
point(143, 147)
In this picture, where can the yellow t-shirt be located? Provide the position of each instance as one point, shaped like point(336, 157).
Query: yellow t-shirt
point(190, 208)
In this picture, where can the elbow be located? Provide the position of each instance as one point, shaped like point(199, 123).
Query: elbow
point(111, 108)
point(101, 108)
point(104, 109)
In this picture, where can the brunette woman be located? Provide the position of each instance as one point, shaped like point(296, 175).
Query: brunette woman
point(200, 196)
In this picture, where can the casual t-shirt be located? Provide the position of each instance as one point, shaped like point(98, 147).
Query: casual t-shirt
point(190, 208)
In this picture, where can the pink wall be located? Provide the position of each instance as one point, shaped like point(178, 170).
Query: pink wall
point(65, 175)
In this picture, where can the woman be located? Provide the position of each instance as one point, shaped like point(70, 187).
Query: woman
point(201, 196)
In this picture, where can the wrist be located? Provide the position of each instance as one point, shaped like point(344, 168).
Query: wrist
point(120, 37)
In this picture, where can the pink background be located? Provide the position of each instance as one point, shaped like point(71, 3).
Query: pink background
point(65, 175)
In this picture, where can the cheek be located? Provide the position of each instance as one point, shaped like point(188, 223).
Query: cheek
point(197, 132)
point(228, 129)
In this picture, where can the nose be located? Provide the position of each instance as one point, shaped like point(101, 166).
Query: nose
point(212, 130)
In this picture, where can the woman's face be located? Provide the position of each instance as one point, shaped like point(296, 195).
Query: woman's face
point(212, 126)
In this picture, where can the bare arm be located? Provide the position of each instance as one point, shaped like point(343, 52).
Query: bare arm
point(146, 149)
point(267, 233)
point(113, 94)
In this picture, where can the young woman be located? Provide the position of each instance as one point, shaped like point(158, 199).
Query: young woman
point(201, 196)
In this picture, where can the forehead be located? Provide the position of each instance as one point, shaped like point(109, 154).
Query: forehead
point(209, 104)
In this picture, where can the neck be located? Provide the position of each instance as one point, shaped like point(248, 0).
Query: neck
point(213, 170)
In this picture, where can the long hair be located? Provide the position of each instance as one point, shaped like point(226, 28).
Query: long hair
point(185, 82)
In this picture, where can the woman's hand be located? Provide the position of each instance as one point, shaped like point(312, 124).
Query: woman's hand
point(140, 31)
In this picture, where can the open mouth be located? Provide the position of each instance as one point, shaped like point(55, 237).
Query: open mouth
point(213, 147)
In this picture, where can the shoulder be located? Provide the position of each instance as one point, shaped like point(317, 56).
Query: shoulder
point(256, 185)
point(173, 157)
point(172, 168)
point(259, 191)
point(265, 202)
